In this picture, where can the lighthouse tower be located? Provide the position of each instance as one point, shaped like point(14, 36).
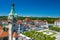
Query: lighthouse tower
point(12, 21)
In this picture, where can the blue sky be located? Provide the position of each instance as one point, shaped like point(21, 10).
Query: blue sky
point(32, 7)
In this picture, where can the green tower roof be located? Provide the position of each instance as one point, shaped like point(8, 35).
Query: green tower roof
point(13, 13)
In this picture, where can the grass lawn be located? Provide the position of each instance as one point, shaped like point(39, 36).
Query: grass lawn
point(38, 35)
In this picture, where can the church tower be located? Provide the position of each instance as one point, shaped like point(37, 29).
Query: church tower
point(12, 21)
point(12, 17)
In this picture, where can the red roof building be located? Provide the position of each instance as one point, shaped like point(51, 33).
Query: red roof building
point(3, 34)
point(15, 34)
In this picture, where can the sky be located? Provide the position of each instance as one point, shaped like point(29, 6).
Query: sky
point(37, 8)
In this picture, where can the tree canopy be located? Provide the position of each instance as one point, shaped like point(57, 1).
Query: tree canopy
point(49, 20)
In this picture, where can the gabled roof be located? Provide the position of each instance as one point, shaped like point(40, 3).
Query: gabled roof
point(27, 19)
point(3, 34)
point(19, 21)
point(58, 20)
point(15, 34)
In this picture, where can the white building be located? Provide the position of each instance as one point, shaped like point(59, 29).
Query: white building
point(41, 23)
point(57, 23)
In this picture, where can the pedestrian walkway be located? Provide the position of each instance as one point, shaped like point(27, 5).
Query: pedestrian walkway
point(58, 36)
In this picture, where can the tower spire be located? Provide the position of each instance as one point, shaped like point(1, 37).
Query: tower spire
point(12, 12)
point(12, 4)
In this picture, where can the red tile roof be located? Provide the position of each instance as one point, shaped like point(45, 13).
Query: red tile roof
point(27, 19)
point(19, 21)
point(58, 20)
point(15, 34)
point(4, 20)
point(40, 21)
point(3, 34)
